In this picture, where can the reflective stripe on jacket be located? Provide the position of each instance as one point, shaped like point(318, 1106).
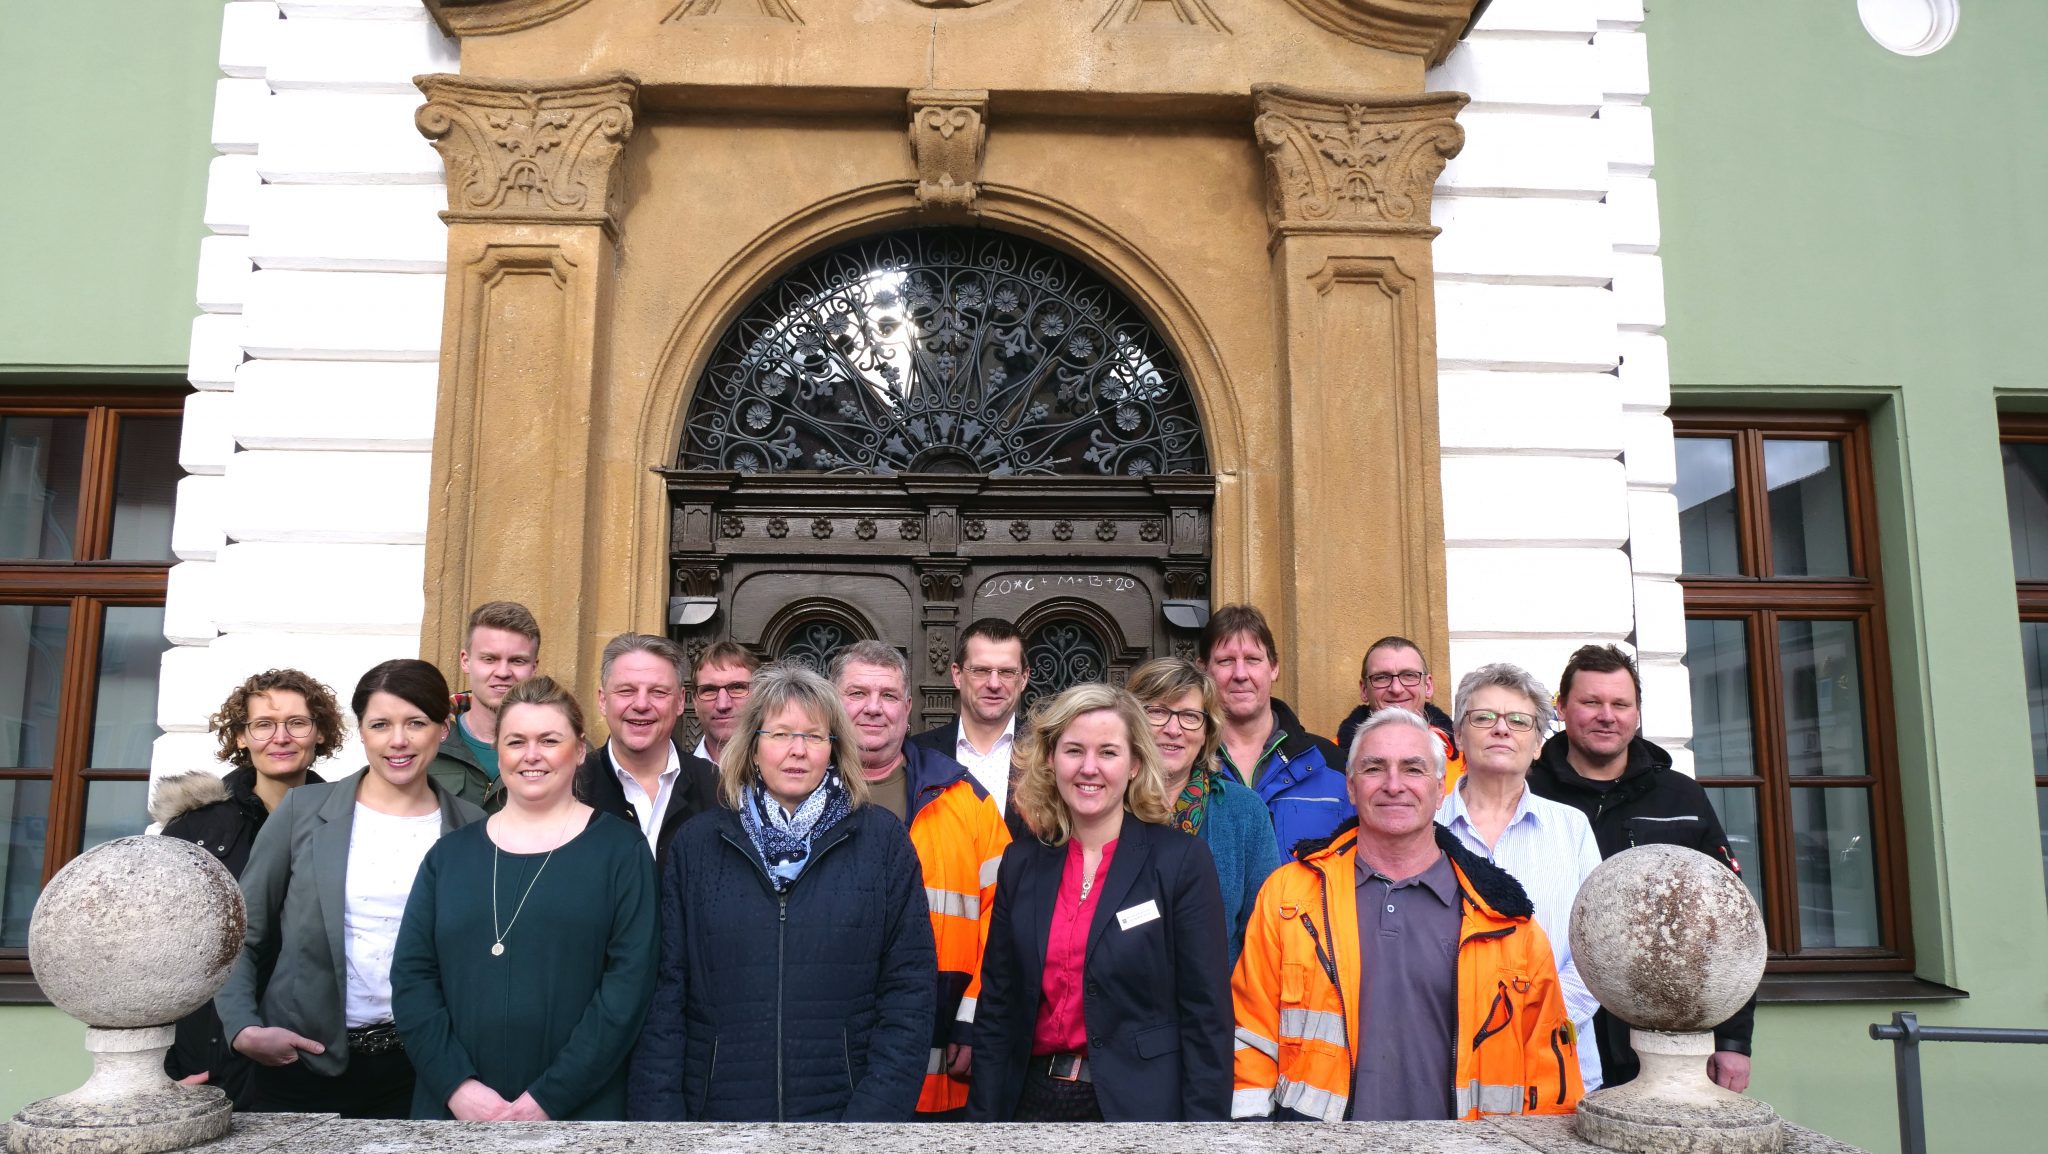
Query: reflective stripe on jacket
point(1297, 995)
point(960, 838)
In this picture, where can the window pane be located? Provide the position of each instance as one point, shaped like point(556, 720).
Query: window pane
point(1706, 505)
point(1823, 681)
point(1809, 522)
point(2041, 811)
point(41, 464)
point(31, 677)
point(1833, 855)
point(2026, 508)
point(25, 816)
point(2034, 656)
point(114, 809)
point(124, 704)
point(145, 485)
point(1737, 810)
point(1717, 657)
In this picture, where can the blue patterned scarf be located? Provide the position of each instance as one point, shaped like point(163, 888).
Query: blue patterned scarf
point(784, 839)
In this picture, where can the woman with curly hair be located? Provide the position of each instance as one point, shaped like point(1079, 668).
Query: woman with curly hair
point(1105, 988)
point(271, 728)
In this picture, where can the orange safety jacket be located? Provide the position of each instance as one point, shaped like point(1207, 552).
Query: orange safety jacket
point(960, 838)
point(1297, 994)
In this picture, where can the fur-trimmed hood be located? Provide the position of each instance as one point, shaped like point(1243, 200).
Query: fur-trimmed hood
point(1487, 882)
point(180, 795)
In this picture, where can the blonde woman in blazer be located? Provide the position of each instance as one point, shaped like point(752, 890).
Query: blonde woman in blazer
point(309, 1000)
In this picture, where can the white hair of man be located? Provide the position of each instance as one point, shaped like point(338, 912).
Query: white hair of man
point(871, 653)
point(1503, 675)
point(1389, 718)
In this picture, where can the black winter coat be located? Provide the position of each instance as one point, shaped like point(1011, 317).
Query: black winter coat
point(811, 1006)
point(1649, 804)
point(695, 791)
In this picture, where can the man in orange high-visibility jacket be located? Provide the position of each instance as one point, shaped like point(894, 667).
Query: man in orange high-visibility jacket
point(1390, 974)
point(959, 836)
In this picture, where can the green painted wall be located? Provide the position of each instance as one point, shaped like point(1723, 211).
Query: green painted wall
point(44, 1055)
point(107, 166)
point(1848, 228)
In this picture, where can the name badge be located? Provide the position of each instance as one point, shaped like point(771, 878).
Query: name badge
point(1138, 915)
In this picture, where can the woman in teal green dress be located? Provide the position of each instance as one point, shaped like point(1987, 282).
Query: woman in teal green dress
point(526, 958)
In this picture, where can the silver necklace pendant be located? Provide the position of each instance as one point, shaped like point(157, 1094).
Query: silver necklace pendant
point(497, 949)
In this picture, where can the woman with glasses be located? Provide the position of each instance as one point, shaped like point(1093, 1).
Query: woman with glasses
point(1503, 715)
point(797, 964)
point(1180, 704)
point(309, 999)
point(1105, 987)
point(271, 728)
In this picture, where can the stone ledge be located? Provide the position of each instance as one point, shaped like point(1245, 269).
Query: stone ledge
point(321, 1134)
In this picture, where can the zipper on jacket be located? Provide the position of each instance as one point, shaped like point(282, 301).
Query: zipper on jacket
point(1330, 967)
point(781, 933)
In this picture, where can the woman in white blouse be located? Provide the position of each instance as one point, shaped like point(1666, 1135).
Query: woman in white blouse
point(326, 886)
point(1503, 714)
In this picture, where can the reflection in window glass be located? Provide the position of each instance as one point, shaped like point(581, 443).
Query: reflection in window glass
point(25, 819)
point(2041, 812)
point(31, 672)
point(124, 702)
point(2034, 656)
point(1717, 658)
point(1818, 665)
point(145, 486)
point(1737, 810)
point(114, 809)
point(1706, 505)
point(42, 460)
point(1833, 859)
point(2026, 508)
point(1809, 521)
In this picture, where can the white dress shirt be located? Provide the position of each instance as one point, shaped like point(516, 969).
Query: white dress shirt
point(1549, 848)
point(384, 856)
point(991, 769)
point(649, 810)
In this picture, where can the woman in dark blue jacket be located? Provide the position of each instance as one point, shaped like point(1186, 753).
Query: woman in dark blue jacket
point(797, 965)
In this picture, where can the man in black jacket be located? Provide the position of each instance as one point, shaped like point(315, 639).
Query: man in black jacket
point(1626, 787)
point(642, 774)
point(1395, 673)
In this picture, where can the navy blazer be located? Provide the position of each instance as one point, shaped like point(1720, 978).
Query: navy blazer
point(1157, 996)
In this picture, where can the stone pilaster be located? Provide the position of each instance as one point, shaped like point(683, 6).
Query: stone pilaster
point(1348, 195)
point(534, 195)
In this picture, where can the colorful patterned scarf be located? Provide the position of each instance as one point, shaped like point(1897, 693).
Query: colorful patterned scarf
point(1191, 808)
point(784, 839)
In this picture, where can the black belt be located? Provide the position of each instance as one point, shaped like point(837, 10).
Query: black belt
point(1064, 1067)
point(375, 1038)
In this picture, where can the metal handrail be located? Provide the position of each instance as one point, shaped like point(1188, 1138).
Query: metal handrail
point(1905, 1033)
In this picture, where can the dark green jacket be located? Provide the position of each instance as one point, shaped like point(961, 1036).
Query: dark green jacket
point(456, 771)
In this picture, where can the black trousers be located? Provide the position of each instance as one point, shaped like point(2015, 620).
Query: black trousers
point(372, 1086)
point(1048, 1099)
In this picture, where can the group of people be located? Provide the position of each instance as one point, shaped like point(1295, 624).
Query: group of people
point(1117, 906)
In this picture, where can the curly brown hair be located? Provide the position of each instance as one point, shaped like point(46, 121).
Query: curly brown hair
point(233, 715)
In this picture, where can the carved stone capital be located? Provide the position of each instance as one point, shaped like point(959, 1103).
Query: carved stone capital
point(947, 134)
point(1425, 28)
point(530, 151)
point(1354, 163)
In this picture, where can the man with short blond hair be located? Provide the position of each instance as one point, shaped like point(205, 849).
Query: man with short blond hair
point(500, 649)
point(640, 773)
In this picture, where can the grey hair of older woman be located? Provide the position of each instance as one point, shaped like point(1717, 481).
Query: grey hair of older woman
point(1503, 675)
point(1392, 718)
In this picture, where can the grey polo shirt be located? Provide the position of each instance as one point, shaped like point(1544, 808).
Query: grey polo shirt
point(1407, 1027)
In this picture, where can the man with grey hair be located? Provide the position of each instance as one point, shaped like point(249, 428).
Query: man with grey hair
point(641, 774)
point(1503, 712)
point(959, 836)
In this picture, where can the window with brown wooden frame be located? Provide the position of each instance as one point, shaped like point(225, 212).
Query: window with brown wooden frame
point(2024, 446)
point(1791, 684)
point(88, 480)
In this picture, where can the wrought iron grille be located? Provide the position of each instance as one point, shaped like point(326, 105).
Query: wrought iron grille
point(814, 644)
point(943, 351)
point(1061, 654)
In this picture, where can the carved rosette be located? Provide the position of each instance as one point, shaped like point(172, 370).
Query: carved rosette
point(948, 132)
point(530, 151)
point(1354, 163)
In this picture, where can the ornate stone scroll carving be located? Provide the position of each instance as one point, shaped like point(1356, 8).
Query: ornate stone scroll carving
point(947, 135)
point(515, 150)
point(1162, 13)
point(736, 9)
point(486, 17)
point(1354, 163)
point(1425, 28)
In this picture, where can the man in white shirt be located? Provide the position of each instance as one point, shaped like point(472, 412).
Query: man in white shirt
point(641, 774)
point(723, 678)
point(989, 673)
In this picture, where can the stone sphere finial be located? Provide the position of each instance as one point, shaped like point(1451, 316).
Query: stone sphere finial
point(140, 931)
point(1668, 939)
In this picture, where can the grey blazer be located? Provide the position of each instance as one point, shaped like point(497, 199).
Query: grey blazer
point(293, 969)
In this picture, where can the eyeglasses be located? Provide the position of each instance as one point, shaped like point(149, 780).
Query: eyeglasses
point(1485, 719)
point(1190, 719)
point(1408, 677)
point(1007, 674)
point(738, 691)
point(785, 736)
point(295, 726)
